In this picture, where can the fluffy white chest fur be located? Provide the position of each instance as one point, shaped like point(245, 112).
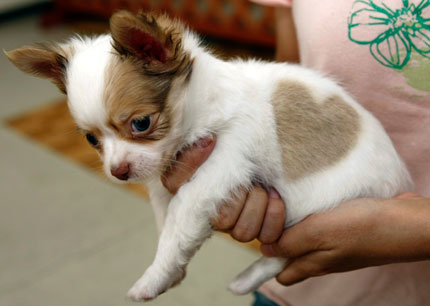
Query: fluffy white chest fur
point(149, 89)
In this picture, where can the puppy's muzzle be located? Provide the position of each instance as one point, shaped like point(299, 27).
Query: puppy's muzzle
point(122, 171)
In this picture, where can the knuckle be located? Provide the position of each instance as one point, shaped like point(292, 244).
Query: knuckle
point(243, 233)
point(273, 225)
point(314, 236)
point(309, 230)
point(267, 238)
point(224, 219)
point(259, 193)
point(264, 238)
point(286, 250)
point(276, 209)
point(222, 224)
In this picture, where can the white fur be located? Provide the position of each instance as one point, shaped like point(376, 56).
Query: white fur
point(231, 99)
point(85, 80)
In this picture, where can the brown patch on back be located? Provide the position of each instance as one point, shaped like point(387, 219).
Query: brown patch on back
point(312, 135)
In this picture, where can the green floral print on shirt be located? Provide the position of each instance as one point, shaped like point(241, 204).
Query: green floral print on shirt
point(392, 33)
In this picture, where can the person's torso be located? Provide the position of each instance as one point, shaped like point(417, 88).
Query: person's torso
point(380, 51)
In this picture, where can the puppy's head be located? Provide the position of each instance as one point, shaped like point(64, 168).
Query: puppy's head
point(124, 90)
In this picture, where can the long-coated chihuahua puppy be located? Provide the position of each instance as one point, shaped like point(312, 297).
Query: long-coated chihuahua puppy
point(149, 89)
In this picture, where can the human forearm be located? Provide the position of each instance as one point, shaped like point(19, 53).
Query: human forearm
point(410, 218)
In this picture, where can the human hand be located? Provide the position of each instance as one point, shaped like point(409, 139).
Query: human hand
point(186, 164)
point(251, 214)
point(359, 233)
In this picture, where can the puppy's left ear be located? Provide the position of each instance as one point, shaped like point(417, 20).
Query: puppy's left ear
point(155, 41)
point(41, 60)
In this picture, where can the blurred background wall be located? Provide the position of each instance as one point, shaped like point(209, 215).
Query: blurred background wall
point(239, 20)
point(8, 5)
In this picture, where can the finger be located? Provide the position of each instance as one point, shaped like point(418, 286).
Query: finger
point(296, 241)
point(274, 218)
point(293, 275)
point(251, 218)
point(187, 163)
point(302, 268)
point(229, 213)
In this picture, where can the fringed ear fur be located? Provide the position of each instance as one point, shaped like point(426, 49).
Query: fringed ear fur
point(155, 41)
point(42, 61)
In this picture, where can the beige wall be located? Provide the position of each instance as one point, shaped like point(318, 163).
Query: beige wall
point(6, 5)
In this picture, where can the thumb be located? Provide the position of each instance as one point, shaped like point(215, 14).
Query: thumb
point(187, 162)
point(294, 241)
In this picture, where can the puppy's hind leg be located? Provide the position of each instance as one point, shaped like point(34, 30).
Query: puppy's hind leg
point(256, 274)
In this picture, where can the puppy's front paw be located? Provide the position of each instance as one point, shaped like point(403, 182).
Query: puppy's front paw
point(153, 283)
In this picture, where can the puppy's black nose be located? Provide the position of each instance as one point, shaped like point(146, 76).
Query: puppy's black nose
point(122, 171)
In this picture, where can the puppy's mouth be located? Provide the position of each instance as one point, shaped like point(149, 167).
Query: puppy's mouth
point(126, 178)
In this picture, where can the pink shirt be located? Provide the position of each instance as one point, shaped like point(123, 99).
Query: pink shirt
point(380, 51)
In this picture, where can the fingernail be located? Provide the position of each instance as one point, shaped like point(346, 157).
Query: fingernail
point(274, 194)
point(204, 142)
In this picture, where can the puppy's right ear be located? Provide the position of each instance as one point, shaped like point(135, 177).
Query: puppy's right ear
point(154, 41)
point(41, 61)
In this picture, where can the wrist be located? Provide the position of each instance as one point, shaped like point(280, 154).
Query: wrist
point(405, 224)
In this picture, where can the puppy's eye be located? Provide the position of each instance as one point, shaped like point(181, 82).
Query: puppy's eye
point(141, 125)
point(92, 139)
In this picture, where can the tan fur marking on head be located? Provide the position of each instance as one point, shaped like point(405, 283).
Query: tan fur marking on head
point(312, 135)
point(148, 63)
point(132, 94)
